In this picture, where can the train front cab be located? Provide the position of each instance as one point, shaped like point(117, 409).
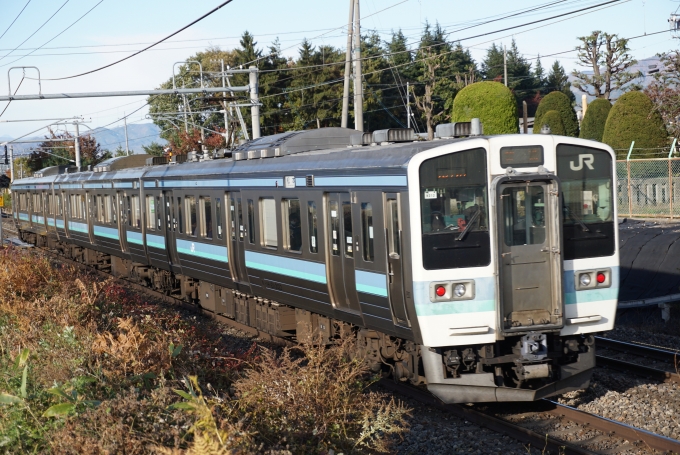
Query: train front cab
point(509, 225)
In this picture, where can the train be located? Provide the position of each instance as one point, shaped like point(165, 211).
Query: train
point(478, 266)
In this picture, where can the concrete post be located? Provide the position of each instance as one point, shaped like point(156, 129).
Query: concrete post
point(11, 163)
point(348, 67)
point(255, 102)
point(358, 80)
point(77, 145)
point(127, 145)
point(584, 104)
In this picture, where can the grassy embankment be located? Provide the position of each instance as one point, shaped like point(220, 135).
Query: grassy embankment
point(89, 367)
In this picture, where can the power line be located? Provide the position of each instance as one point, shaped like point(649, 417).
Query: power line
point(146, 48)
point(31, 36)
point(57, 35)
point(15, 19)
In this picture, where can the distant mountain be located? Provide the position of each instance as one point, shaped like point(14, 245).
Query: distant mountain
point(109, 139)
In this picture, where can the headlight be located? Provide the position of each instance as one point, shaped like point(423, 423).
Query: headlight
point(459, 290)
point(584, 279)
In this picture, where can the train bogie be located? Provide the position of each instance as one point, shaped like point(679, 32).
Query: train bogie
point(480, 266)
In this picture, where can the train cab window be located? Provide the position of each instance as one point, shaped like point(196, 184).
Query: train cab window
point(394, 242)
point(251, 221)
point(136, 213)
point(454, 210)
point(190, 206)
point(206, 217)
point(150, 212)
point(159, 213)
point(180, 220)
point(269, 229)
point(347, 218)
point(312, 224)
point(218, 216)
point(293, 224)
point(367, 231)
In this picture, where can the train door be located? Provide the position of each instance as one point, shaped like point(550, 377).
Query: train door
point(237, 235)
point(170, 232)
point(395, 267)
point(530, 259)
point(341, 249)
point(122, 220)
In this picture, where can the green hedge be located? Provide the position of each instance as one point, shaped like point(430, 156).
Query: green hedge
point(592, 126)
point(554, 120)
point(492, 102)
point(558, 101)
point(633, 118)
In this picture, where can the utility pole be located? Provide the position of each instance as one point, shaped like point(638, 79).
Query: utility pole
point(348, 67)
point(358, 80)
point(77, 145)
point(254, 101)
point(11, 163)
point(408, 106)
point(525, 118)
point(226, 119)
point(505, 65)
point(127, 145)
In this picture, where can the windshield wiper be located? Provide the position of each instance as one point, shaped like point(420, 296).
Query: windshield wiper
point(577, 219)
point(468, 227)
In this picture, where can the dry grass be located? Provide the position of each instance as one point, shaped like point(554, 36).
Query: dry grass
point(88, 367)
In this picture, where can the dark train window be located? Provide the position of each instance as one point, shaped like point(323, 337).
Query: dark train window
point(159, 214)
point(136, 213)
point(393, 227)
point(218, 216)
point(180, 220)
point(454, 211)
point(312, 223)
point(251, 221)
point(190, 202)
point(347, 217)
point(293, 224)
point(95, 207)
point(232, 217)
point(367, 231)
point(335, 227)
point(150, 212)
point(206, 217)
point(59, 208)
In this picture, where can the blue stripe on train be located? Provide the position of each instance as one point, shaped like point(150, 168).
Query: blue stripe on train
point(203, 250)
point(295, 268)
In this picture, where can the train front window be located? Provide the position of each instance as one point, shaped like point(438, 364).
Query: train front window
point(587, 201)
point(454, 210)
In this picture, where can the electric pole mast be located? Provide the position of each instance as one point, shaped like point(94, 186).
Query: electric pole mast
point(408, 106)
point(127, 145)
point(77, 145)
point(348, 67)
point(505, 65)
point(358, 82)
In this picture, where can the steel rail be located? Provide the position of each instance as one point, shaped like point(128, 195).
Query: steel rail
point(640, 370)
point(537, 440)
point(665, 355)
point(608, 426)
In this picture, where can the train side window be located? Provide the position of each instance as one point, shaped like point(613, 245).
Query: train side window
point(190, 206)
point(293, 225)
point(269, 228)
point(335, 227)
point(150, 212)
point(95, 207)
point(180, 222)
point(367, 231)
point(347, 217)
point(241, 227)
point(107, 208)
point(159, 212)
point(251, 221)
point(206, 217)
point(136, 213)
point(218, 215)
point(312, 223)
point(232, 210)
point(83, 207)
point(59, 209)
point(394, 228)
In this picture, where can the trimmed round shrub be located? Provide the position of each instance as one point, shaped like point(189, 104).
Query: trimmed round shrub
point(554, 120)
point(558, 101)
point(592, 125)
point(633, 118)
point(492, 102)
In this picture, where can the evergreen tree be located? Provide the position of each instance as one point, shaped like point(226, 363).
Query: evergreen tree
point(539, 75)
point(559, 81)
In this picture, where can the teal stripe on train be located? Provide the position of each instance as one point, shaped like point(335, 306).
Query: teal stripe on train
point(60, 223)
point(38, 219)
point(203, 250)
point(134, 237)
point(23, 216)
point(50, 222)
point(78, 227)
point(106, 232)
point(371, 283)
point(295, 268)
point(155, 241)
point(485, 299)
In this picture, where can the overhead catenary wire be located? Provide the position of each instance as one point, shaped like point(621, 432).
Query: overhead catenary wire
point(15, 19)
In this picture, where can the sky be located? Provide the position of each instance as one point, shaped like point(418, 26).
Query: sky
point(113, 29)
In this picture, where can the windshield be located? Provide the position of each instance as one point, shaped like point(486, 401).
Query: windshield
point(586, 176)
point(454, 213)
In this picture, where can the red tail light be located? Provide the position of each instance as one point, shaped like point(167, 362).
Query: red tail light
point(440, 291)
point(601, 277)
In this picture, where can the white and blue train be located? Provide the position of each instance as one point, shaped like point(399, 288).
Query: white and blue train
point(480, 266)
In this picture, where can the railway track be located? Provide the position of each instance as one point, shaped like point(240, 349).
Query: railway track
point(548, 444)
point(670, 359)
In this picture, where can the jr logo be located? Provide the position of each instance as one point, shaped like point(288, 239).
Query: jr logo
point(586, 159)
